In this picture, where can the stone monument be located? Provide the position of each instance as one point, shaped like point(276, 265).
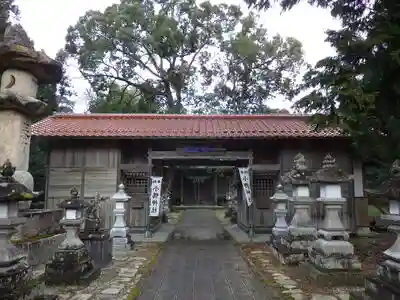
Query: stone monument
point(332, 251)
point(14, 269)
point(281, 227)
point(119, 231)
point(385, 284)
point(301, 231)
point(71, 263)
point(22, 69)
point(96, 238)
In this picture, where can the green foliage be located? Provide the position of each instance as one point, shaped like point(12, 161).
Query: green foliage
point(7, 10)
point(252, 70)
point(120, 100)
point(152, 46)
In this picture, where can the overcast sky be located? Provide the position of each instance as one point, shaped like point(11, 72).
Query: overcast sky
point(46, 22)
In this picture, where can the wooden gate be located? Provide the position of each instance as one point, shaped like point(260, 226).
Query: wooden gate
point(136, 181)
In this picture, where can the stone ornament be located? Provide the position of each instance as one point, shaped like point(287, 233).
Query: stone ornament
point(332, 250)
point(71, 263)
point(281, 199)
point(293, 245)
point(119, 231)
point(298, 173)
point(17, 52)
point(15, 272)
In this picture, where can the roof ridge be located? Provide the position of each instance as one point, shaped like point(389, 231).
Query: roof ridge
point(175, 116)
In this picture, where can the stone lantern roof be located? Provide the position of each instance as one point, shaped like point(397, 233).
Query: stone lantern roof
point(17, 52)
point(74, 202)
point(299, 175)
point(10, 189)
point(330, 172)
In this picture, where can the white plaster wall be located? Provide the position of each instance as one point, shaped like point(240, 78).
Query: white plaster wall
point(15, 135)
point(25, 83)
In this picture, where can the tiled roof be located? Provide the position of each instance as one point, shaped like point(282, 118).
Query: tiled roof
point(179, 126)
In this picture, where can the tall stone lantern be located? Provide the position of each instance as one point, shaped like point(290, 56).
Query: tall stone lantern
point(119, 231)
point(14, 269)
point(385, 284)
point(301, 232)
point(281, 227)
point(332, 250)
point(71, 263)
point(22, 69)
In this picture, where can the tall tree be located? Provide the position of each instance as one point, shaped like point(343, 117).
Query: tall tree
point(358, 87)
point(120, 100)
point(154, 46)
point(7, 9)
point(59, 95)
point(252, 69)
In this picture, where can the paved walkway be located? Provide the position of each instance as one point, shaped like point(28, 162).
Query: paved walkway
point(202, 267)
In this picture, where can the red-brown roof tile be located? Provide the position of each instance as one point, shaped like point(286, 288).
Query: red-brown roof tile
point(179, 126)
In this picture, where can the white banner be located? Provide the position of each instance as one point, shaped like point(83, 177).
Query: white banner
point(155, 196)
point(245, 178)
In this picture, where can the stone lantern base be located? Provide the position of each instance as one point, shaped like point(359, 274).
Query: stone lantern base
point(14, 280)
point(71, 266)
point(385, 284)
point(293, 247)
point(333, 255)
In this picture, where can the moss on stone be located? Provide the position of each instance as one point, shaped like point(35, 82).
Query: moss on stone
point(32, 239)
point(133, 294)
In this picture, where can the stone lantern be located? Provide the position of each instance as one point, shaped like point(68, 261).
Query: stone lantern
point(22, 69)
point(14, 269)
point(281, 227)
point(301, 231)
point(332, 250)
point(119, 231)
point(71, 263)
point(385, 284)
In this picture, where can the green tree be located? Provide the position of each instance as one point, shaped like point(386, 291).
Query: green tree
point(252, 69)
point(358, 88)
point(154, 46)
point(120, 100)
point(7, 10)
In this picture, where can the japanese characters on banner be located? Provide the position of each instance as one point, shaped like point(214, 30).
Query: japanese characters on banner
point(245, 178)
point(155, 196)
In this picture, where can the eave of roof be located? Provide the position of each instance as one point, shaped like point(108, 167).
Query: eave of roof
point(180, 126)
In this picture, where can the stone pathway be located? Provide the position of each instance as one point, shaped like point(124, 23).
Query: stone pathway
point(116, 282)
point(201, 266)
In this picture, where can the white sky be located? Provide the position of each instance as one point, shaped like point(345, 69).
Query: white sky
point(46, 22)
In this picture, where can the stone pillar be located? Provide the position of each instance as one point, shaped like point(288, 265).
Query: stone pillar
point(301, 231)
point(281, 227)
point(385, 284)
point(71, 263)
point(14, 269)
point(332, 251)
point(119, 231)
point(22, 69)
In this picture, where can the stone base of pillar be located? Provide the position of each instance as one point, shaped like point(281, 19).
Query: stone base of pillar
point(121, 245)
point(330, 254)
point(71, 266)
point(14, 280)
point(99, 245)
point(384, 285)
point(293, 248)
